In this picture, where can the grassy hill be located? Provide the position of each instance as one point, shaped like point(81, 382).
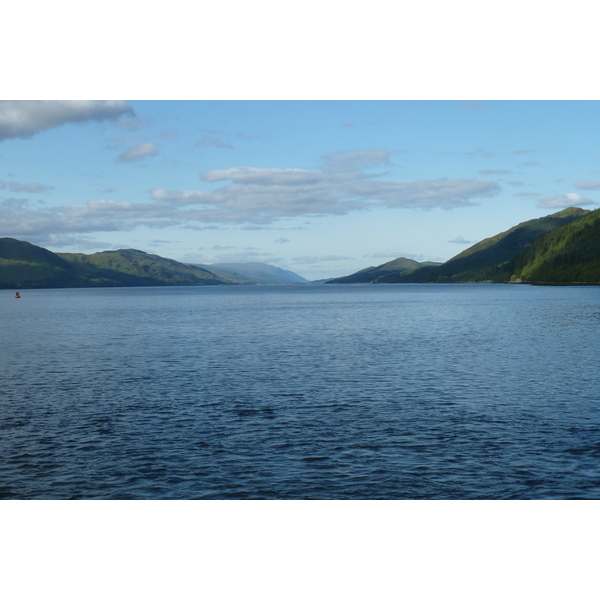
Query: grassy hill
point(487, 260)
point(24, 265)
point(137, 268)
point(570, 254)
point(398, 266)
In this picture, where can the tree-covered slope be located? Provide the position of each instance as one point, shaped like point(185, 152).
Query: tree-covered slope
point(482, 261)
point(570, 254)
point(398, 266)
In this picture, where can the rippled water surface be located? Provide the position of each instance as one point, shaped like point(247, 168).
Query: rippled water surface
point(408, 391)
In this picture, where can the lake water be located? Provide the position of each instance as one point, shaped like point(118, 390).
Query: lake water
point(409, 391)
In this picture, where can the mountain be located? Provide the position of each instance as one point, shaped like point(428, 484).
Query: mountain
point(486, 260)
point(570, 254)
point(254, 272)
point(561, 248)
point(137, 268)
point(398, 266)
point(24, 265)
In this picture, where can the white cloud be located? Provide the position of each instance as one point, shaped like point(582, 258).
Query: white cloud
point(252, 203)
point(138, 152)
point(587, 185)
point(109, 207)
point(494, 172)
point(254, 198)
point(265, 202)
point(565, 200)
point(268, 177)
point(424, 193)
point(262, 195)
point(179, 198)
point(24, 118)
point(20, 221)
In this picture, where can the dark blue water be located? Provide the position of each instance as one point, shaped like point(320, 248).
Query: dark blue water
point(301, 392)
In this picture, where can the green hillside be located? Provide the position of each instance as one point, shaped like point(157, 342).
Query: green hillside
point(561, 248)
point(137, 268)
point(570, 254)
point(398, 266)
point(24, 265)
point(486, 260)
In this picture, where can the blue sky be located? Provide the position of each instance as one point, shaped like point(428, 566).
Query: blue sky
point(323, 188)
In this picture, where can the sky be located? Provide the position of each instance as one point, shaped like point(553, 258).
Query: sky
point(323, 188)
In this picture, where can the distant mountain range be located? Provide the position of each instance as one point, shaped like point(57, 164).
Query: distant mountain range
point(562, 248)
point(24, 265)
point(253, 272)
point(557, 249)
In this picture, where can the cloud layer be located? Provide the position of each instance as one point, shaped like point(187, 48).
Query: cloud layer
point(261, 195)
point(254, 197)
point(24, 118)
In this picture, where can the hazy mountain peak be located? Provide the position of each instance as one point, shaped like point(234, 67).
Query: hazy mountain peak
point(254, 272)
